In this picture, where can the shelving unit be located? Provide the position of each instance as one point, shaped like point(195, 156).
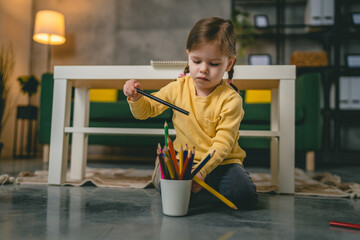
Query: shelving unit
point(287, 25)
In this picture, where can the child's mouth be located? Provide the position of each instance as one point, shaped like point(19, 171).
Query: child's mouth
point(202, 78)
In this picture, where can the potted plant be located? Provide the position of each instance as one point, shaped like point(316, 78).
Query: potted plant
point(244, 29)
point(7, 63)
point(29, 85)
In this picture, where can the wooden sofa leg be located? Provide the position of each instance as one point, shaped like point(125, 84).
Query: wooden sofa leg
point(46, 152)
point(310, 161)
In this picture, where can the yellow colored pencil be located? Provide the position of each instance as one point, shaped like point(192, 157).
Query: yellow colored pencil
point(169, 167)
point(214, 192)
point(181, 159)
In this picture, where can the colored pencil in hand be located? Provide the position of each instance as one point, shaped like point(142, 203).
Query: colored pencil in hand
point(214, 192)
point(162, 101)
point(203, 162)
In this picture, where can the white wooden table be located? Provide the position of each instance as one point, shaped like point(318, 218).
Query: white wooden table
point(280, 79)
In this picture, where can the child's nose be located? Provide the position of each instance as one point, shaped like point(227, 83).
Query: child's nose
point(203, 68)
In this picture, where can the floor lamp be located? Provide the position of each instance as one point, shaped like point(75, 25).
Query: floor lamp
point(49, 30)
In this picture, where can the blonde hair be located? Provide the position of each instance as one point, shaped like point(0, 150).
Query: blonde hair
point(213, 29)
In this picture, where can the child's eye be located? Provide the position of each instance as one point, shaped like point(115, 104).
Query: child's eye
point(196, 61)
point(214, 64)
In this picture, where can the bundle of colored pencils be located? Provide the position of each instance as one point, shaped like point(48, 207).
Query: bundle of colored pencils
point(170, 167)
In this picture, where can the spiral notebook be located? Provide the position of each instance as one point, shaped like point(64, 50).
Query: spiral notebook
point(168, 64)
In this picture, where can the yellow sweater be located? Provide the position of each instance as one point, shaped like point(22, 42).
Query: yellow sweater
point(213, 122)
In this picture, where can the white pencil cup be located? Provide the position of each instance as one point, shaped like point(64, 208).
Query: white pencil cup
point(175, 196)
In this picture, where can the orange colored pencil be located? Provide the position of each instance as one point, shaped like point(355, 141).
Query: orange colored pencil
point(167, 154)
point(173, 155)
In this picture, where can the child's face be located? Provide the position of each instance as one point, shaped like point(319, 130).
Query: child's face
point(207, 65)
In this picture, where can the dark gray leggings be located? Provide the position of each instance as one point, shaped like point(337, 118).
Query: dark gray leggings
point(233, 182)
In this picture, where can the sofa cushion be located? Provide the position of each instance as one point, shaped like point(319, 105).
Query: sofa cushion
point(119, 111)
point(260, 113)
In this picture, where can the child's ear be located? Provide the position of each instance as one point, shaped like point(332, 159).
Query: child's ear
point(187, 52)
point(230, 63)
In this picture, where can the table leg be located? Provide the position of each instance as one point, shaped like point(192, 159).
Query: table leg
point(59, 141)
point(274, 161)
point(274, 141)
point(287, 136)
point(79, 140)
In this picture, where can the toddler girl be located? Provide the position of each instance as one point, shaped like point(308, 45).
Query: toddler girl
point(215, 112)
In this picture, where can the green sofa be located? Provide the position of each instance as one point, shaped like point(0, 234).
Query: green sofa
point(308, 130)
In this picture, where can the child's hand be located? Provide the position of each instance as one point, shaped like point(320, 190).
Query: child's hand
point(129, 89)
point(195, 186)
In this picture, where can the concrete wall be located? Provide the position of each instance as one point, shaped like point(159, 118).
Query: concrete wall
point(15, 30)
point(116, 32)
point(124, 32)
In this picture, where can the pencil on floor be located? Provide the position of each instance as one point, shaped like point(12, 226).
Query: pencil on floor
point(215, 193)
point(343, 224)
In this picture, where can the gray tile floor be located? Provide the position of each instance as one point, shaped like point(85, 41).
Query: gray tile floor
point(51, 212)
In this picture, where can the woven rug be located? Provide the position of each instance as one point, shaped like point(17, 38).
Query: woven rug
point(99, 177)
point(322, 184)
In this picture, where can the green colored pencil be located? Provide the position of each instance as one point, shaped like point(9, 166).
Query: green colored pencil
point(166, 129)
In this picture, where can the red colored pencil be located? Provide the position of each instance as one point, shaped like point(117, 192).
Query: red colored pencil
point(188, 164)
point(342, 224)
point(164, 172)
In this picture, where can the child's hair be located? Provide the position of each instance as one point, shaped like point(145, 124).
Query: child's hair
point(213, 29)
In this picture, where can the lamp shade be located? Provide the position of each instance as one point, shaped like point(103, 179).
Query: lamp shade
point(49, 28)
